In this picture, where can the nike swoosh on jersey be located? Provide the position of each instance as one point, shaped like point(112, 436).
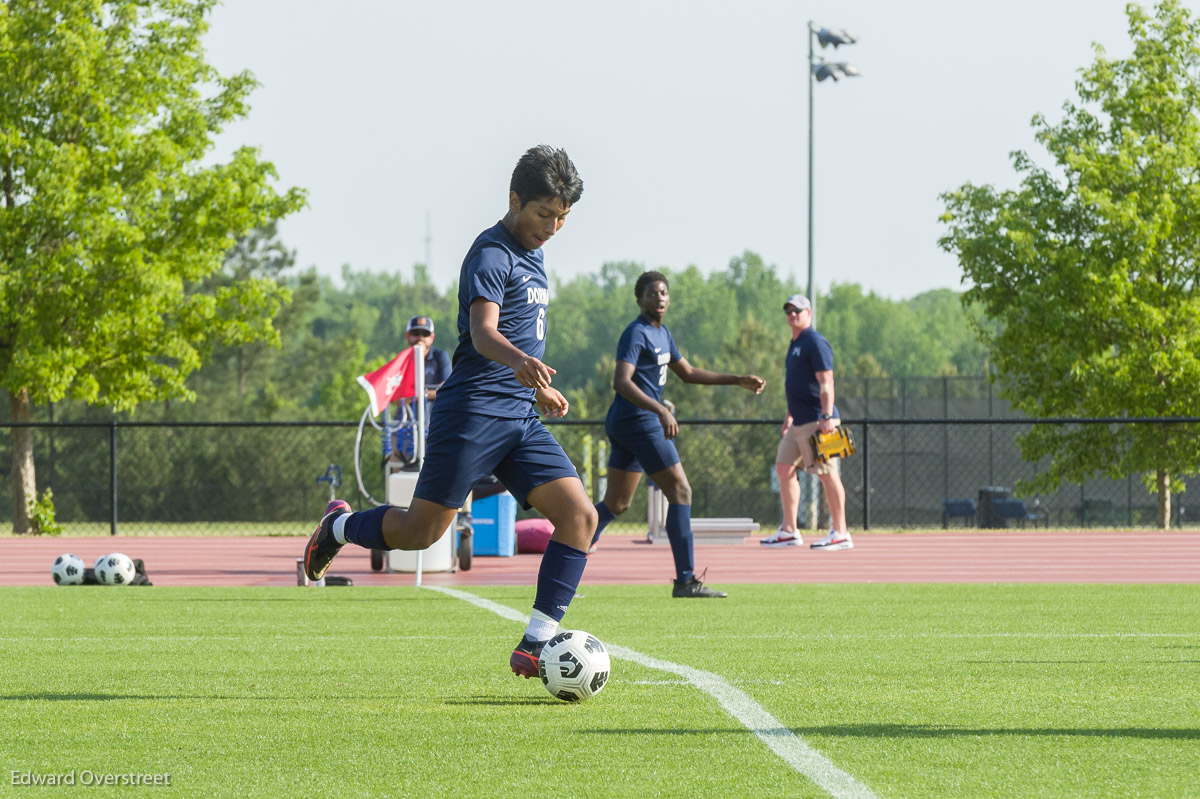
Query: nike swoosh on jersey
point(525, 278)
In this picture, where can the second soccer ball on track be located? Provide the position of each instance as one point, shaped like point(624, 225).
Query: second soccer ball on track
point(115, 569)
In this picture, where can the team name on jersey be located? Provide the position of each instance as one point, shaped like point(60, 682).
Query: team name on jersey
point(537, 295)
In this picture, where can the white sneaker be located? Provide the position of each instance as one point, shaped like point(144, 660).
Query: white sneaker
point(781, 538)
point(834, 541)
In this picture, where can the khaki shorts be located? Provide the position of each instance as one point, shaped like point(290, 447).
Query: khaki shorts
point(795, 449)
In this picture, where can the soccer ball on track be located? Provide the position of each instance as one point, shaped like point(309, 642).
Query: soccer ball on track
point(67, 569)
point(115, 569)
point(574, 665)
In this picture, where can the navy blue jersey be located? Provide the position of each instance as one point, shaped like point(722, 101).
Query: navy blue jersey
point(807, 354)
point(499, 270)
point(650, 349)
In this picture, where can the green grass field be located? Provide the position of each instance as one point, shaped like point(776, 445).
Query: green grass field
point(914, 690)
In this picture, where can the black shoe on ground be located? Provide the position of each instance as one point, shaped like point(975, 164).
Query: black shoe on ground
point(524, 659)
point(694, 589)
point(322, 546)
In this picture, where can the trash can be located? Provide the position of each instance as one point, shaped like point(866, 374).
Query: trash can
point(988, 518)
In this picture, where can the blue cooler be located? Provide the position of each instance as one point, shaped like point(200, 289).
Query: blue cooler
point(495, 520)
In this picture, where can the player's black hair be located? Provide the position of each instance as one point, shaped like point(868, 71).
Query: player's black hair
point(545, 173)
point(646, 279)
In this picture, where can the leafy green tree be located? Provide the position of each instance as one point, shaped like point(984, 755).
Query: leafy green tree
point(1089, 270)
point(306, 376)
point(111, 216)
point(929, 334)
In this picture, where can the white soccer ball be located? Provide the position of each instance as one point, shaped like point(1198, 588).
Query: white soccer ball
point(115, 569)
point(574, 665)
point(67, 569)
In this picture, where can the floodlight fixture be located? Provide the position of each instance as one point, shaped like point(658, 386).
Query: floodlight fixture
point(835, 37)
point(835, 71)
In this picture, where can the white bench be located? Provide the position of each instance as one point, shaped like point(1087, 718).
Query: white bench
point(714, 530)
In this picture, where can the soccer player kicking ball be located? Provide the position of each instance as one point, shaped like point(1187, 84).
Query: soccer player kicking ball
point(484, 419)
point(640, 427)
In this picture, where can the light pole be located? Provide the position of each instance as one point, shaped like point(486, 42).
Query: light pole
point(819, 71)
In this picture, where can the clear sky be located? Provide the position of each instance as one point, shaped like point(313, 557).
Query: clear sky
point(687, 119)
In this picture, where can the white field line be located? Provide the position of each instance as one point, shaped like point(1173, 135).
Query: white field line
point(778, 738)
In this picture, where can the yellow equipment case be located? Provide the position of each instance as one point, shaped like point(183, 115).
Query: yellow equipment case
point(838, 444)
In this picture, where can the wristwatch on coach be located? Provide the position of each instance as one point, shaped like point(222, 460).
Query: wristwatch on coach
point(826, 416)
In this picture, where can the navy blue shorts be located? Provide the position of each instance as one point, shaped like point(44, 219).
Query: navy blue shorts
point(639, 445)
point(462, 448)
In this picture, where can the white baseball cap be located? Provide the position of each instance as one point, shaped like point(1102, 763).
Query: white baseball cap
point(797, 301)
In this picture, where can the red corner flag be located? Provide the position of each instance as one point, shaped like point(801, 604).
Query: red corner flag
point(394, 380)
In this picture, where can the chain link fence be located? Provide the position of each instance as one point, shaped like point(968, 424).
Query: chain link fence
point(262, 478)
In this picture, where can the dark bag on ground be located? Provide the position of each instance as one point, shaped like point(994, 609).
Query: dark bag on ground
point(139, 575)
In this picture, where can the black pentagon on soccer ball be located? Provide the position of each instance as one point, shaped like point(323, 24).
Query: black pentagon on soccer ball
point(569, 665)
point(593, 645)
point(558, 639)
point(568, 695)
point(598, 680)
point(118, 578)
point(111, 563)
point(72, 570)
point(58, 578)
point(542, 671)
point(100, 574)
point(58, 560)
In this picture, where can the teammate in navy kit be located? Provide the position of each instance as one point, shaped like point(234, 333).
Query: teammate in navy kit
point(640, 427)
point(484, 420)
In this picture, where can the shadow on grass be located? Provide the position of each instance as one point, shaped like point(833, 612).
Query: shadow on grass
point(94, 697)
point(1068, 662)
point(922, 731)
point(83, 697)
point(263, 697)
point(494, 702)
point(347, 597)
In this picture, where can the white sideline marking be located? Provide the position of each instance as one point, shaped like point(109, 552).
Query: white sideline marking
point(778, 738)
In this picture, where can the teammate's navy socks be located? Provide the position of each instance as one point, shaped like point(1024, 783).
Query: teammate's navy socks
point(679, 534)
point(558, 577)
point(606, 516)
point(365, 528)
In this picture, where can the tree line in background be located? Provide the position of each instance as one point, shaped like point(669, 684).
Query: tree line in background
point(726, 321)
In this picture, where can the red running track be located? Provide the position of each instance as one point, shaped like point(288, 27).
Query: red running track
point(994, 557)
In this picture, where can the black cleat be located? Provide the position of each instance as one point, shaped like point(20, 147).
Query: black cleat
point(524, 659)
point(694, 589)
point(323, 547)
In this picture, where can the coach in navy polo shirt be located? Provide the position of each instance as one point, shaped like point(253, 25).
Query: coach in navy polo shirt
point(809, 389)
